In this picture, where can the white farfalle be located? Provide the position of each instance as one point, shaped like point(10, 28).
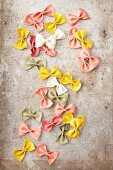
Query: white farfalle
point(60, 89)
point(51, 41)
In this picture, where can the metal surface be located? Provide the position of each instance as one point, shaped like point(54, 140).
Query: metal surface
point(94, 149)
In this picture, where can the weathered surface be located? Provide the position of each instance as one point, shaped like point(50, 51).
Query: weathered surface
point(94, 150)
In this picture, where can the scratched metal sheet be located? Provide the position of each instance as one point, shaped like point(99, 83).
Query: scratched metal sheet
point(94, 149)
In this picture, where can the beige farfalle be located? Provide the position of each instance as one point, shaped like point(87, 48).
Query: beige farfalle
point(53, 82)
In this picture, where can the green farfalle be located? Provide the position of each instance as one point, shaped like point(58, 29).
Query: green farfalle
point(62, 99)
point(62, 139)
point(27, 114)
point(30, 63)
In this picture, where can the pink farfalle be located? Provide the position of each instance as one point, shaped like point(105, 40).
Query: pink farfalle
point(49, 52)
point(72, 30)
point(42, 151)
point(73, 43)
point(59, 110)
point(48, 11)
point(82, 15)
point(48, 125)
point(36, 19)
point(88, 61)
point(32, 20)
point(45, 102)
point(34, 51)
point(24, 129)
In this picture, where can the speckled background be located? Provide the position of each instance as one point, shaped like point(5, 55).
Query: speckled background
point(94, 150)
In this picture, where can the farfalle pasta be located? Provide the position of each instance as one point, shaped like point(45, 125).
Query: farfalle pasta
point(53, 82)
point(60, 110)
point(45, 73)
point(36, 51)
point(58, 20)
point(88, 61)
point(62, 139)
point(45, 102)
point(27, 114)
point(19, 154)
point(48, 125)
point(73, 43)
point(81, 36)
point(30, 63)
point(82, 15)
point(68, 79)
point(51, 41)
point(21, 43)
point(36, 19)
point(24, 129)
point(61, 99)
point(75, 122)
point(54, 91)
point(42, 151)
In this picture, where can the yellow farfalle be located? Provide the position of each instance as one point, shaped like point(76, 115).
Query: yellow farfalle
point(28, 147)
point(73, 133)
point(75, 123)
point(22, 34)
point(45, 73)
point(67, 117)
point(67, 79)
point(80, 35)
point(58, 20)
